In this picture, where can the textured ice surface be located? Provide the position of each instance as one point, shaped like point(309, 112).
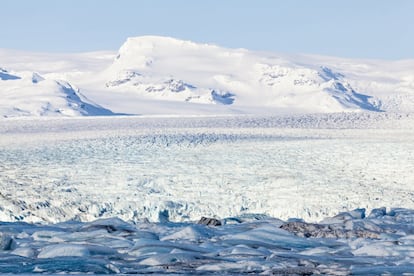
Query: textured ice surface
point(158, 175)
point(242, 245)
point(180, 169)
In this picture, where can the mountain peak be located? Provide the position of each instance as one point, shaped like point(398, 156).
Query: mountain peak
point(154, 40)
point(158, 44)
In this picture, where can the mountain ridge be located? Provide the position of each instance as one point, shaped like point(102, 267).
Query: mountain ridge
point(151, 75)
point(33, 95)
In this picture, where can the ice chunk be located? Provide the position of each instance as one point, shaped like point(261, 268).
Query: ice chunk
point(171, 258)
point(6, 241)
point(110, 225)
point(24, 252)
point(63, 250)
point(191, 233)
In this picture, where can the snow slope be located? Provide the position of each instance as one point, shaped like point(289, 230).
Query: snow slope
point(29, 94)
point(162, 75)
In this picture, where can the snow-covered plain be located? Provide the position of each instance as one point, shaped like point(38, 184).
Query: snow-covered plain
point(79, 177)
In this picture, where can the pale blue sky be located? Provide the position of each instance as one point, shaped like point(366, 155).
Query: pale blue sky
point(348, 28)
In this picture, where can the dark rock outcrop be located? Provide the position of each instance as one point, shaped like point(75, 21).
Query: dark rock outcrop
point(209, 221)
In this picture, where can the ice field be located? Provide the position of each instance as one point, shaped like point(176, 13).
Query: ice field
point(123, 194)
point(147, 168)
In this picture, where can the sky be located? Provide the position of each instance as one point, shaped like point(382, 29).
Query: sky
point(381, 29)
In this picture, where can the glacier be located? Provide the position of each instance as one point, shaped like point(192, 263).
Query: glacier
point(300, 194)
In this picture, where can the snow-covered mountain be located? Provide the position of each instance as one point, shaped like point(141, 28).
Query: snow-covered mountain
point(167, 68)
point(29, 94)
point(161, 75)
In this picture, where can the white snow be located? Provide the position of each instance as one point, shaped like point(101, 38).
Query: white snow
point(28, 94)
point(161, 75)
